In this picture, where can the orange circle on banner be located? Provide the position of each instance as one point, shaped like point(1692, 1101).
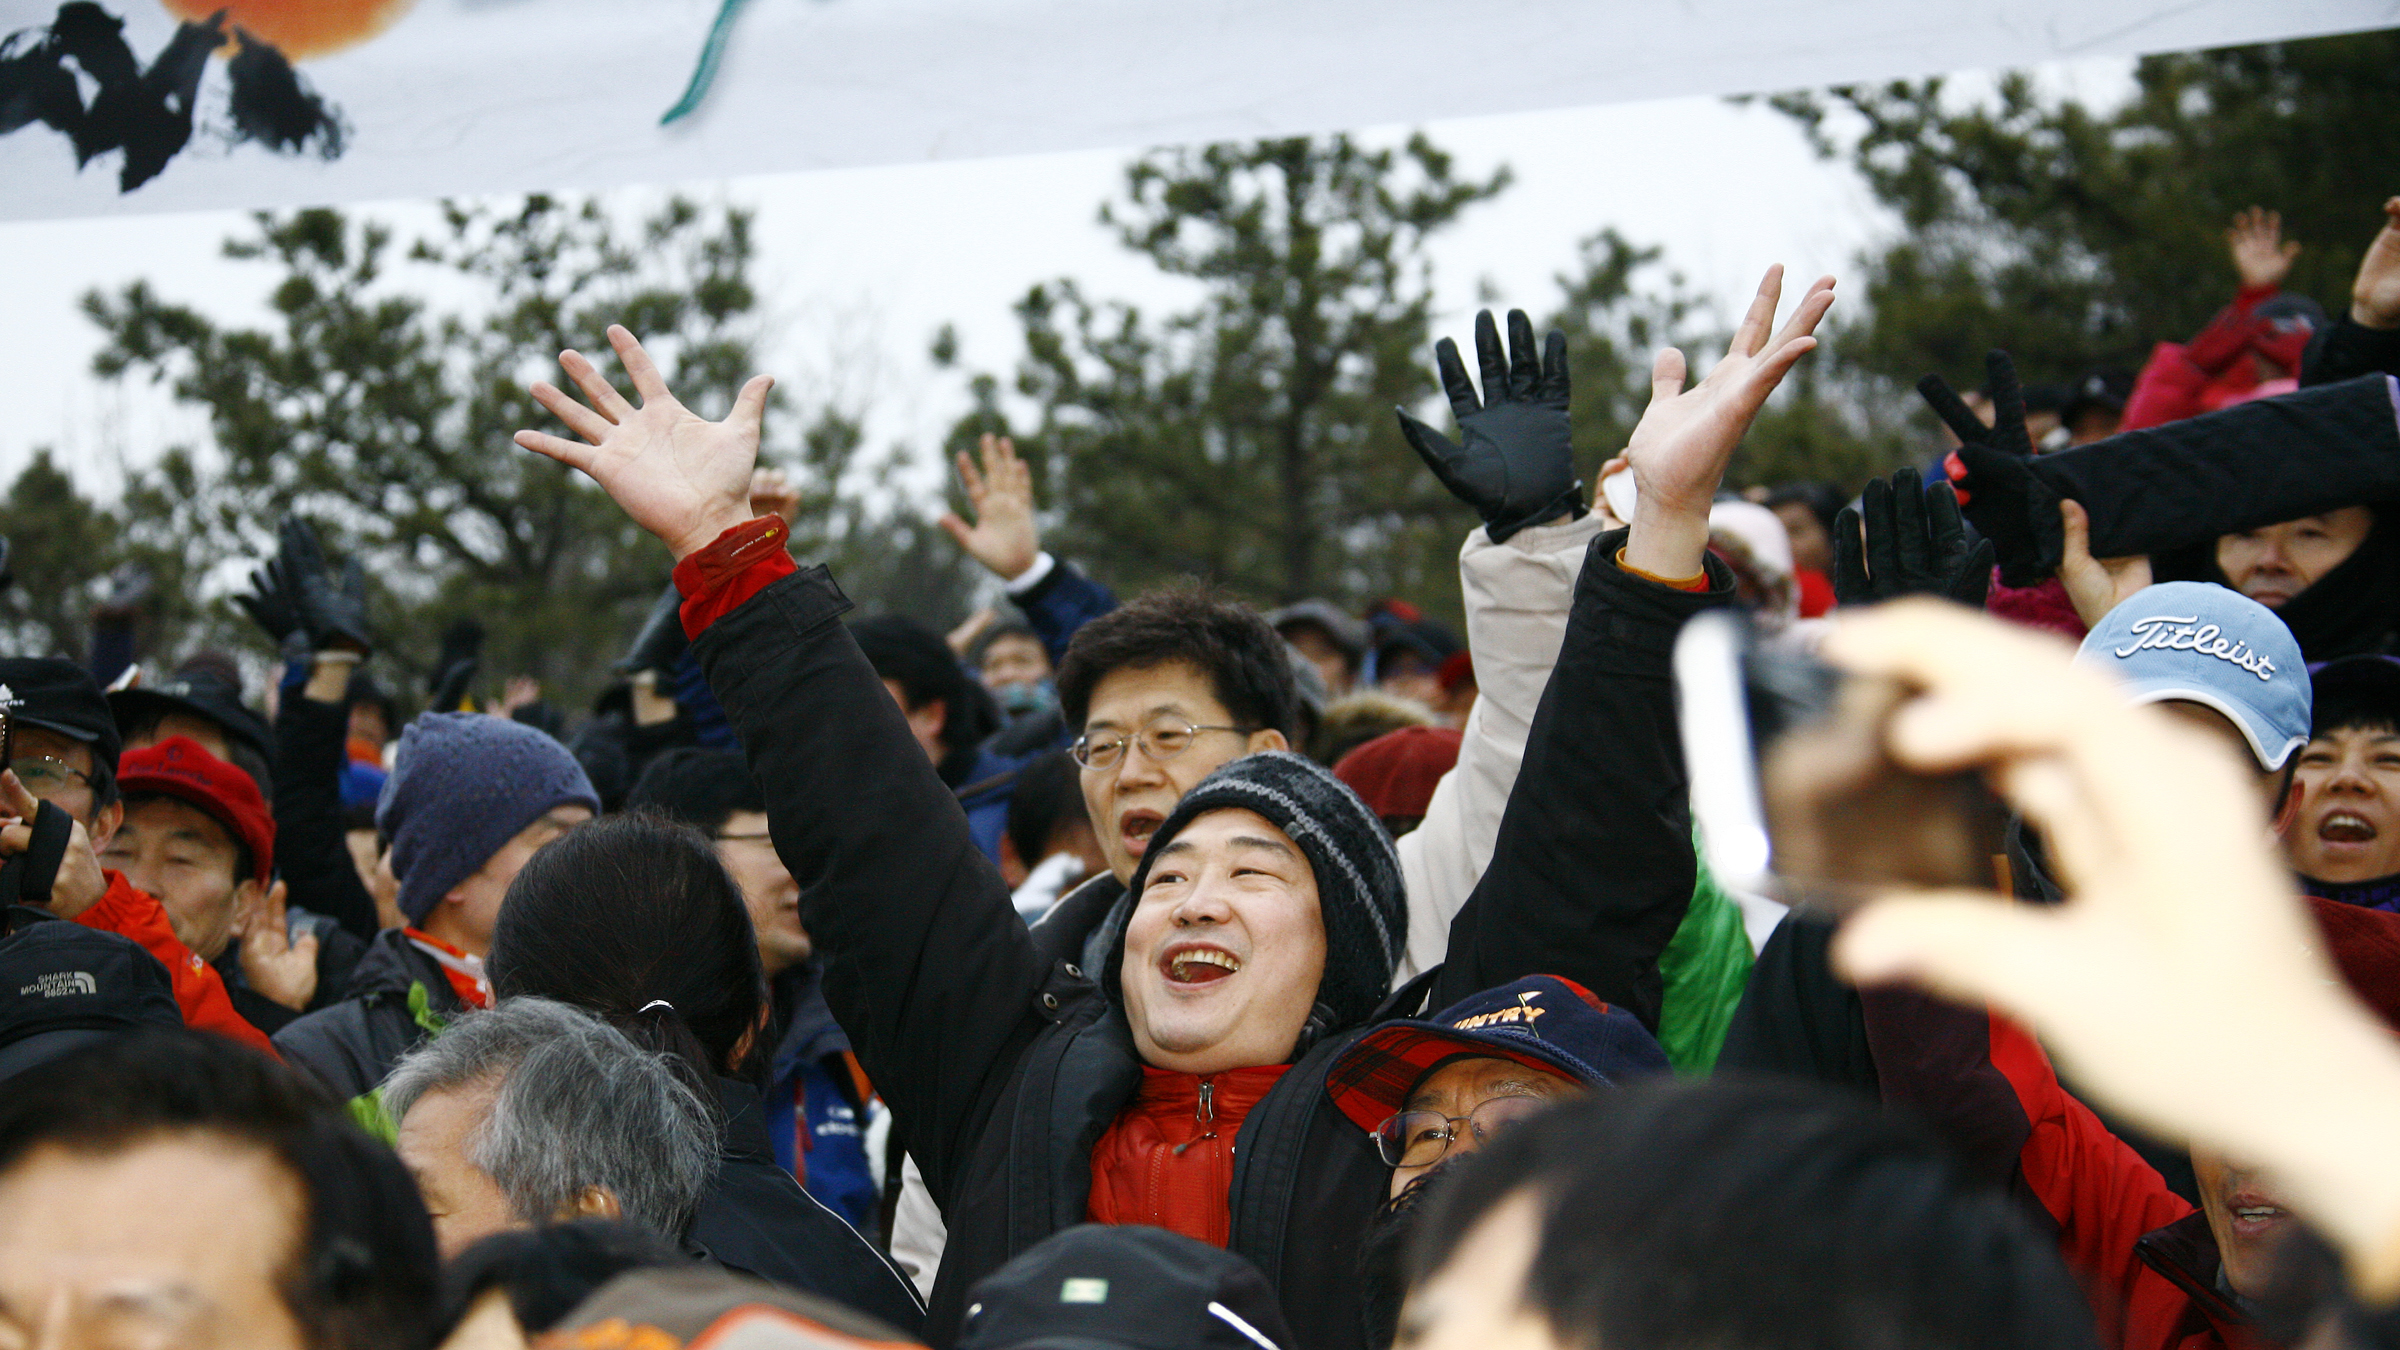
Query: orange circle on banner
point(298, 28)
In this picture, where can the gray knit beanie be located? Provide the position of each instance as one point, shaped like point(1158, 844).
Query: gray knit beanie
point(1359, 890)
point(462, 786)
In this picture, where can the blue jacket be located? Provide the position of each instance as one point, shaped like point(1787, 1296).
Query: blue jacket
point(811, 1077)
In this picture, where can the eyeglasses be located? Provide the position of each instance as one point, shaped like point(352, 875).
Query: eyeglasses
point(1163, 739)
point(1422, 1138)
point(44, 773)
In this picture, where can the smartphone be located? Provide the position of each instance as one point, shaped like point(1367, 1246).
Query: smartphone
point(1792, 791)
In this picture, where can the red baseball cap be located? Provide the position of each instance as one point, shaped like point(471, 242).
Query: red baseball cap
point(178, 767)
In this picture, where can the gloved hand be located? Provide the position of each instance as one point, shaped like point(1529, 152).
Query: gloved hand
point(462, 656)
point(1517, 466)
point(660, 643)
point(2013, 507)
point(331, 607)
point(1914, 544)
point(268, 602)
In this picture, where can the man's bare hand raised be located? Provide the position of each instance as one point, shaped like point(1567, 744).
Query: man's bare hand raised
point(681, 477)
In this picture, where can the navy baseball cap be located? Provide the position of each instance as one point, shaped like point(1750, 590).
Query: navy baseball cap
point(1541, 1021)
point(2198, 643)
point(63, 986)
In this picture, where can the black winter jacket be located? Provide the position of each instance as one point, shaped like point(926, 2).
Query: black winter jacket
point(311, 853)
point(1003, 1065)
point(398, 997)
point(757, 1220)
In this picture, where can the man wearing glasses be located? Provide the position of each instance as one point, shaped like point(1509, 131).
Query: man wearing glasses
point(63, 753)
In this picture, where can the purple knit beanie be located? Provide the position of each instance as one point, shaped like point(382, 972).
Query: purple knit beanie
point(462, 786)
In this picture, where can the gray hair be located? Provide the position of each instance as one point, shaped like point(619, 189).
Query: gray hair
point(579, 1105)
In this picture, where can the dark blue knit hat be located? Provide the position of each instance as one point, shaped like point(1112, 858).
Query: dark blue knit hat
point(461, 786)
point(1359, 890)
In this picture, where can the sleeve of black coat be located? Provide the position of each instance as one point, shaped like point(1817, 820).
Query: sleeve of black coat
point(1796, 1017)
point(1592, 868)
point(2254, 464)
point(928, 968)
point(2346, 349)
point(310, 851)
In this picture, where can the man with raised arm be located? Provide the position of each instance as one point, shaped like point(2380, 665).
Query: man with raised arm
point(1264, 923)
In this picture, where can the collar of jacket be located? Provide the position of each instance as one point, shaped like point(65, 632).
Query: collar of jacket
point(745, 1121)
point(2185, 1252)
point(2382, 893)
point(392, 963)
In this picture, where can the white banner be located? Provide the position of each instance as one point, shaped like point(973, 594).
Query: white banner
point(383, 99)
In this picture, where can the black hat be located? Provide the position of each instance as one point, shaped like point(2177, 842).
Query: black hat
point(63, 985)
point(1126, 1287)
point(58, 695)
point(1359, 888)
point(200, 691)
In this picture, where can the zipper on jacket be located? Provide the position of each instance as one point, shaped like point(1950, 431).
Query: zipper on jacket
point(1205, 1113)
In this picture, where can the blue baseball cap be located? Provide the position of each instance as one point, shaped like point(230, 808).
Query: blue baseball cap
point(2198, 643)
point(1540, 1021)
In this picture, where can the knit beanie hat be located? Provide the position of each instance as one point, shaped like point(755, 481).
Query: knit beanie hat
point(461, 786)
point(1359, 890)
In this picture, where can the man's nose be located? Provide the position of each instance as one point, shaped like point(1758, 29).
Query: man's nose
point(1136, 768)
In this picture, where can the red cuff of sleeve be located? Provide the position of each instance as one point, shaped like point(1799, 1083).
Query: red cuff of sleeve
point(739, 564)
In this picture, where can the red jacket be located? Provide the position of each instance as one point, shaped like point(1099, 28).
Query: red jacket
point(2207, 373)
point(2142, 1253)
point(1167, 1159)
point(199, 991)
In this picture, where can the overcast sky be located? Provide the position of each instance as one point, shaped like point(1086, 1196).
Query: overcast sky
point(860, 267)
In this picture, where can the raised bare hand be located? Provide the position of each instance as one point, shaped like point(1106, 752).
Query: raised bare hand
point(1004, 537)
point(681, 477)
point(2094, 585)
point(772, 494)
point(2259, 251)
point(2375, 295)
point(1680, 448)
point(274, 964)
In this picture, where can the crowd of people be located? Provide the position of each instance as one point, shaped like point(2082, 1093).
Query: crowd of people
point(1170, 972)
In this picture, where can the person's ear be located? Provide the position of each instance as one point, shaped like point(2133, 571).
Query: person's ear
point(1268, 738)
point(592, 1202)
point(104, 825)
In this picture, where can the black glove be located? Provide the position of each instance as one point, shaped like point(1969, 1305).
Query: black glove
point(1914, 544)
point(268, 602)
point(331, 606)
point(462, 656)
point(1517, 467)
point(2008, 502)
point(661, 641)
